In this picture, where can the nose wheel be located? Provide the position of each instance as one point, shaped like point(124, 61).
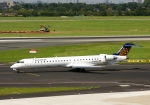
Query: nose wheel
point(17, 70)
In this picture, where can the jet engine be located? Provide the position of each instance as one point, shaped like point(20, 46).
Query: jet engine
point(111, 57)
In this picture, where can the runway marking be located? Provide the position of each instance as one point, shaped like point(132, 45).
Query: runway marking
point(124, 85)
point(136, 84)
point(22, 40)
point(30, 73)
point(121, 84)
point(33, 74)
point(56, 83)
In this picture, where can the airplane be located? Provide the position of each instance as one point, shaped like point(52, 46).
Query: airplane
point(75, 62)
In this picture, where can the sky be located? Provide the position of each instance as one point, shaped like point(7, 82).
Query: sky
point(73, 1)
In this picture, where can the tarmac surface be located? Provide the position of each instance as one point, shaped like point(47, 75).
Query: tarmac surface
point(19, 43)
point(119, 78)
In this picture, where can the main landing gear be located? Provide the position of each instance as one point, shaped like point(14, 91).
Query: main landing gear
point(80, 70)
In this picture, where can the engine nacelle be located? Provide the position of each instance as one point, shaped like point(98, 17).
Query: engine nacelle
point(111, 57)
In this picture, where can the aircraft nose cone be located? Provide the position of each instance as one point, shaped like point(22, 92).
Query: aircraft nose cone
point(13, 66)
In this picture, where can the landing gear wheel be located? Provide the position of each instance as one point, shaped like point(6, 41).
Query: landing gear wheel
point(18, 71)
point(82, 70)
point(78, 69)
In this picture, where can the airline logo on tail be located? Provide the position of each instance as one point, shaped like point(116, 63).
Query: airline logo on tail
point(125, 49)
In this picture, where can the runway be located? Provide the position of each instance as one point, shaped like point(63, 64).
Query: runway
point(19, 43)
point(126, 73)
point(110, 78)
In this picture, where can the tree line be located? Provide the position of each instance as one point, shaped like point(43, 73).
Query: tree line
point(80, 9)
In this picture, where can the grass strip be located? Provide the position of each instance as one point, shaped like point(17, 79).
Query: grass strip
point(77, 50)
point(85, 26)
point(28, 90)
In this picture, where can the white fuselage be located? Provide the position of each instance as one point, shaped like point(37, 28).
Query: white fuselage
point(93, 61)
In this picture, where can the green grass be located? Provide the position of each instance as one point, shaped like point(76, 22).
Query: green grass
point(83, 26)
point(77, 50)
point(27, 90)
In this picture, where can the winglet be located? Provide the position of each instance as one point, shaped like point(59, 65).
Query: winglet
point(125, 49)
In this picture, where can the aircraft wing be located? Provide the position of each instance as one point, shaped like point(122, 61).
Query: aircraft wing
point(83, 65)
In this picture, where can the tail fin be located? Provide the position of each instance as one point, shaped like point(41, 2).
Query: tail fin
point(125, 49)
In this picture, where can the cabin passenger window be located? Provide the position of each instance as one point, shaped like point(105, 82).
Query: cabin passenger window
point(20, 62)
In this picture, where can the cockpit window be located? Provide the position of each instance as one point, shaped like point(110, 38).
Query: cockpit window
point(20, 62)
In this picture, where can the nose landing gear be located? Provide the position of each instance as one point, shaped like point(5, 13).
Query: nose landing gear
point(17, 70)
